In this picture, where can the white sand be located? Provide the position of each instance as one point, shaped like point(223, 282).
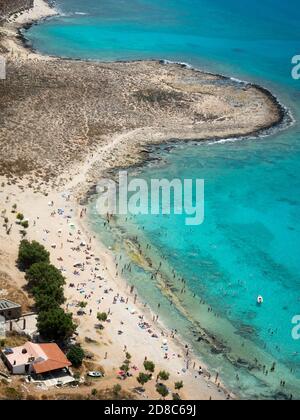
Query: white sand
point(46, 228)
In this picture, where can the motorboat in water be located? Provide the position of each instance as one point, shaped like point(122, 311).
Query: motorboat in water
point(260, 300)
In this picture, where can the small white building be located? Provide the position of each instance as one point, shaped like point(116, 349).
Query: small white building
point(34, 358)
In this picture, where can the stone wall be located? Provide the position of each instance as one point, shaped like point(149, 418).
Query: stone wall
point(8, 7)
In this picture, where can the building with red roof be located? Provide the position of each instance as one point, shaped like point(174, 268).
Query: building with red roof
point(32, 358)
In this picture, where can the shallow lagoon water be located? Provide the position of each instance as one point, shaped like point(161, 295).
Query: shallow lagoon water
point(249, 243)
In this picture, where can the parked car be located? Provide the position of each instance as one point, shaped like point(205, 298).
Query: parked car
point(95, 374)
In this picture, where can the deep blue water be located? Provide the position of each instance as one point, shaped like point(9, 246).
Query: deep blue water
point(249, 243)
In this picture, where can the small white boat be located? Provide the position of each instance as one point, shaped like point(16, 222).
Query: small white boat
point(260, 300)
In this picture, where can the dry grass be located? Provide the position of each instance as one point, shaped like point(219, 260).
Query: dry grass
point(13, 339)
point(10, 393)
point(160, 97)
point(54, 113)
point(11, 291)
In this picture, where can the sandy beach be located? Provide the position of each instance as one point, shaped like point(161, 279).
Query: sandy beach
point(61, 129)
point(98, 289)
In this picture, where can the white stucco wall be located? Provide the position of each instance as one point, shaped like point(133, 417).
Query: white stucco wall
point(19, 370)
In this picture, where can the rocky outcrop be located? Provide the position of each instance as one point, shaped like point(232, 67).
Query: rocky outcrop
point(9, 7)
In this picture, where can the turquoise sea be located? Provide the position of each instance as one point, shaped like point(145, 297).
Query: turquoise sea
point(249, 244)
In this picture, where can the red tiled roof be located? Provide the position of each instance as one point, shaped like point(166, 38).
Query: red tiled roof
point(56, 359)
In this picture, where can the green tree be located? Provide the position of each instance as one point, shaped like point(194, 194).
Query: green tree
point(76, 356)
point(162, 390)
point(43, 274)
point(55, 324)
point(149, 366)
point(31, 253)
point(45, 303)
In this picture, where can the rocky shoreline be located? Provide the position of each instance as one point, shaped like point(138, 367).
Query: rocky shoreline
point(120, 111)
point(158, 105)
point(65, 123)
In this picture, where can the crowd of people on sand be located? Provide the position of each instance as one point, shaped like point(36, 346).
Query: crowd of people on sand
point(183, 290)
point(87, 277)
point(86, 280)
point(87, 265)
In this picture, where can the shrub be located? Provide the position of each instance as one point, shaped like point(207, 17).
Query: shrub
point(12, 393)
point(159, 96)
point(163, 375)
point(31, 253)
point(20, 216)
point(162, 390)
point(149, 366)
point(124, 367)
point(117, 389)
point(102, 316)
point(178, 385)
point(25, 224)
point(143, 378)
point(77, 376)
